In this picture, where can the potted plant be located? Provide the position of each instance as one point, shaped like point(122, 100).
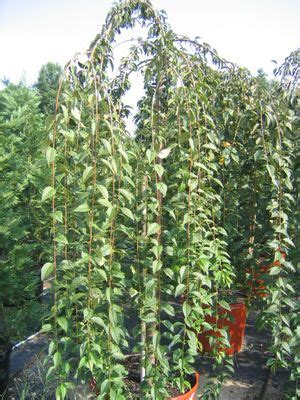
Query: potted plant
point(258, 280)
point(135, 218)
point(258, 198)
point(141, 220)
point(226, 323)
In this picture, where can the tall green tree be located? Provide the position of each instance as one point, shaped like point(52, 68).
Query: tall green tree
point(21, 137)
point(47, 85)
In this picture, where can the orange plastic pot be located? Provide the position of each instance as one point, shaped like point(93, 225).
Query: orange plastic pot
point(235, 321)
point(191, 394)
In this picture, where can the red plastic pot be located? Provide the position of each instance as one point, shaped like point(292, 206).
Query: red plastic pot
point(235, 320)
point(257, 282)
point(191, 394)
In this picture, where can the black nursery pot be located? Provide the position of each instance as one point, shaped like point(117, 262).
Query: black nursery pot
point(5, 351)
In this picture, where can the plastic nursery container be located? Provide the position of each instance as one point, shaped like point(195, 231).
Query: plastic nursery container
point(235, 320)
point(191, 394)
point(257, 282)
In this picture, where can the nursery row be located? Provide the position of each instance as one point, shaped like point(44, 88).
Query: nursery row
point(159, 233)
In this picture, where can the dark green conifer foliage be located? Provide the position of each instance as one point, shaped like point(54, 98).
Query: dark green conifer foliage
point(47, 86)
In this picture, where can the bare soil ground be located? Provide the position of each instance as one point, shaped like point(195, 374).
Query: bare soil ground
point(250, 372)
point(28, 374)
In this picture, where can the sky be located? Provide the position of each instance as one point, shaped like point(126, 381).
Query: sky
point(250, 33)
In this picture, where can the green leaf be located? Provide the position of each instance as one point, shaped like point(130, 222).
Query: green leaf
point(156, 266)
point(105, 386)
point(65, 112)
point(61, 239)
point(209, 118)
point(57, 359)
point(289, 241)
point(286, 347)
point(222, 231)
point(87, 173)
point(162, 187)
point(63, 323)
point(168, 308)
point(159, 169)
point(150, 155)
point(110, 127)
point(48, 193)
point(186, 309)
point(58, 216)
point(46, 270)
point(192, 145)
point(169, 272)
point(46, 328)
point(103, 191)
point(61, 392)
point(169, 250)
point(126, 194)
point(102, 273)
point(109, 165)
point(271, 171)
point(133, 292)
point(218, 182)
point(210, 146)
point(275, 270)
point(123, 154)
point(127, 213)
point(182, 272)
point(157, 250)
point(106, 250)
point(164, 153)
point(149, 318)
point(288, 302)
point(82, 208)
point(69, 134)
point(82, 363)
point(105, 203)
point(50, 155)
point(98, 321)
point(106, 145)
point(179, 289)
point(153, 228)
point(224, 305)
point(75, 113)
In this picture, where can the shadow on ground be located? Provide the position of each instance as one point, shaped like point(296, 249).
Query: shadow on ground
point(245, 384)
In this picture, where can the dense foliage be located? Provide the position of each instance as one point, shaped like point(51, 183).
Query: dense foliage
point(154, 230)
point(142, 221)
point(21, 127)
point(47, 86)
point(24, 234)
